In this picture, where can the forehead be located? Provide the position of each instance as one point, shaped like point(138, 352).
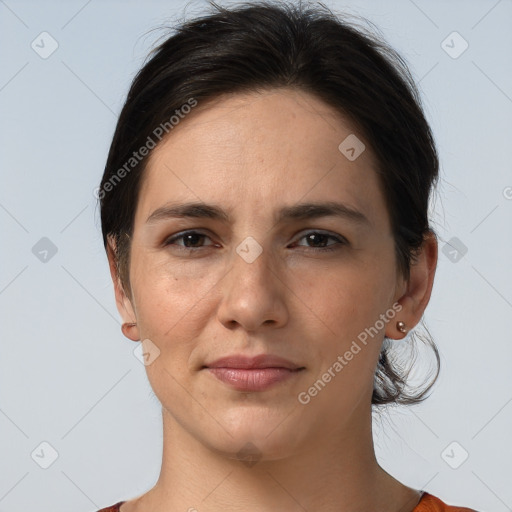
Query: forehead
point(265, 147)
point(249, 125)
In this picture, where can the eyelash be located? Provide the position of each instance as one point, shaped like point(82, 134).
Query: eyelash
point(334, 247)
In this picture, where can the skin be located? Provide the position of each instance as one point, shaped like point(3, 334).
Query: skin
point(252, 154)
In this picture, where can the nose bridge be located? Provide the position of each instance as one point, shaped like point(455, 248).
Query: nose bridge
point(252, 293)
point(252, 266)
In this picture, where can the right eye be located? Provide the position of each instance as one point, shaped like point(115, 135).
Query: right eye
point(193, 238)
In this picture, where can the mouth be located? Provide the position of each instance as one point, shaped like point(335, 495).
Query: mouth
point(253, 379)
point(253, 373)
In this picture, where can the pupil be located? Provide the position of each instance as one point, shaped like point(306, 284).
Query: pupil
point(192, 236)
point(313, 235)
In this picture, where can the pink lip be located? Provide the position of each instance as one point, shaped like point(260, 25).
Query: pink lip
point(245, 362)
point(252, 373)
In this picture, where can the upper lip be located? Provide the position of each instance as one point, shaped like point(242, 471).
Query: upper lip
point(245, 362)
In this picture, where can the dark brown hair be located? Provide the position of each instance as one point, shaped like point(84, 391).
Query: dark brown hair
point(262, 45)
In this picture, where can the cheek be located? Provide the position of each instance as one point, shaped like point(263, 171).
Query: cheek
point(347, 304)
point(347, 298)
point(350, 302)
point(171, 299)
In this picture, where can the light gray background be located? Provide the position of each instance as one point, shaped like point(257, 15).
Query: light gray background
point(67, 375)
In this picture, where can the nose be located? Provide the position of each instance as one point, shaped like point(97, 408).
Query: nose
point(253, 293)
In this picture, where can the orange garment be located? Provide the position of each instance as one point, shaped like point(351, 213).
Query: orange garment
point(428, 503)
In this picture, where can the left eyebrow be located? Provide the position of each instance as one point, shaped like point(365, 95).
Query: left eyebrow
point(302, 211)
point(305, 211)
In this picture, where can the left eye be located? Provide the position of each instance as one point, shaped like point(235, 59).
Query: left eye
point(321, 238)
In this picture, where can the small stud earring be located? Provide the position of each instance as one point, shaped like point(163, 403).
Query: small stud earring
point(401, 326)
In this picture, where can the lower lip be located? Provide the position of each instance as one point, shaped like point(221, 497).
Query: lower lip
point(255, 379)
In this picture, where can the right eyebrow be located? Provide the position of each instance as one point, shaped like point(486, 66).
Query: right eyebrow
point(192, 210)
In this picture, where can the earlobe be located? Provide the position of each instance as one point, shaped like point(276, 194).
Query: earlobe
point(123, 303)
point(402, 325)
point(131, 331)
point(418, 288)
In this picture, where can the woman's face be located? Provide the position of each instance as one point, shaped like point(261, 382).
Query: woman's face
point(253, 280)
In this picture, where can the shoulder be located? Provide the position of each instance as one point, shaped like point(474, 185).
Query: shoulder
point(431, 503)
point(113, 508)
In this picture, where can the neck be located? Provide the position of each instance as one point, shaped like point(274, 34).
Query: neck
point(337, 471)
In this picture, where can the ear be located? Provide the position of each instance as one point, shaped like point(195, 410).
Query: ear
point(123, 302)
point(416, 292)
